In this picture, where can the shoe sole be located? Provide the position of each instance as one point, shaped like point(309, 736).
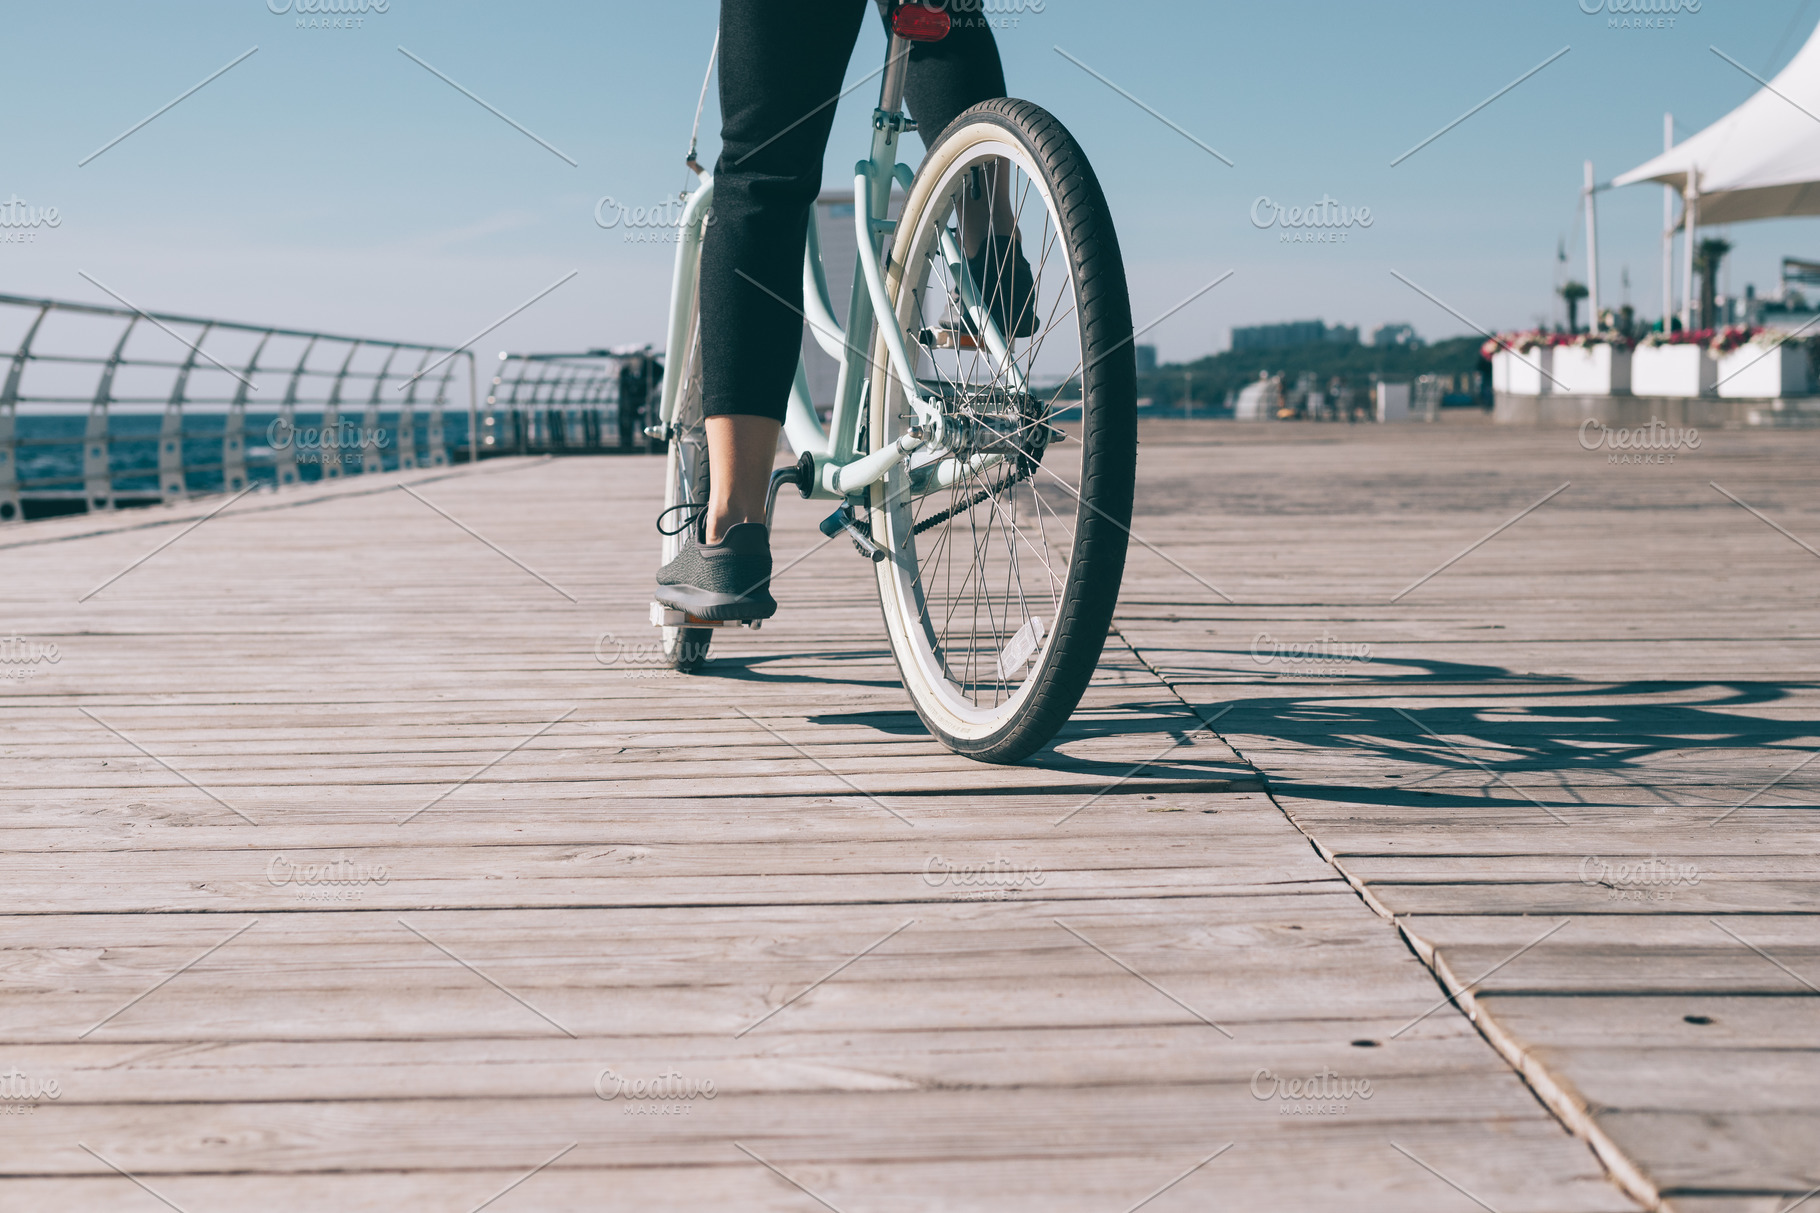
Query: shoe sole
point(717, 608)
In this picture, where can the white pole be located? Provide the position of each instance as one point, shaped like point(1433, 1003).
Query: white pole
point(1668, 228)
point(473, 415)
point(1592, 255)
point(1690, 218)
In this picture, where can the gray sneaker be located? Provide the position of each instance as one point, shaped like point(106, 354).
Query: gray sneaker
point(721, 581)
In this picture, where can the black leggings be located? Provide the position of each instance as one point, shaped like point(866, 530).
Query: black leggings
point(779, 62)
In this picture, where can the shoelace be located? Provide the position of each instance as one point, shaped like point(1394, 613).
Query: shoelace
point(693, 520)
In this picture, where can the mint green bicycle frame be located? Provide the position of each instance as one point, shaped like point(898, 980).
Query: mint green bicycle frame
point(841, 470)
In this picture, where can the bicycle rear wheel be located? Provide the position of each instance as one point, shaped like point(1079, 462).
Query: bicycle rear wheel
point(1005, 554)
point(686, 484)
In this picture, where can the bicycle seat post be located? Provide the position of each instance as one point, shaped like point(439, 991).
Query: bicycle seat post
point(897, 68)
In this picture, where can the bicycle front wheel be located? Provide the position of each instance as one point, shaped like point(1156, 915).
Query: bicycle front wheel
point(1006, 539)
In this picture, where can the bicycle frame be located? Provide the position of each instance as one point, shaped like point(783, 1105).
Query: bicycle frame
point(840, 470)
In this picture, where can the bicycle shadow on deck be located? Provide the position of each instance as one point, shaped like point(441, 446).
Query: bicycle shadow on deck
point(1581, 736)
point(1489, 724)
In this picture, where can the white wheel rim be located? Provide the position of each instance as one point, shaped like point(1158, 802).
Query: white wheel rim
point(955, 710)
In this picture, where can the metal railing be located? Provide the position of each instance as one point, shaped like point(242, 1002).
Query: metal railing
point(571, 403)
point(183, 406)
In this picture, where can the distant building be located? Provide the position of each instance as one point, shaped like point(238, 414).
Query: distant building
point(1146, 359)
point(1286, 336)
point(1388, 335)
point(1278, 336)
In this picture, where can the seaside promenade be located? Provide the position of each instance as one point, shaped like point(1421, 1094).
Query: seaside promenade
point(1439, 833)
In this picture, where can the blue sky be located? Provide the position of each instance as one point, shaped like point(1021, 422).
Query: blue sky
point(328, 181)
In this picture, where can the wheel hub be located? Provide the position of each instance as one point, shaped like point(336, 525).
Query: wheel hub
point(995, 421)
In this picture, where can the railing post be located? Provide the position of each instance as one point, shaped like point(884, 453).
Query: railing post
point(97, 472)
point(284, 459)
point(518, 426)
point(576, 426)
point(11, 509)
point(473, 414)
point(369, 424)
point(439, 454)
point(233, 434)
point(407, 421)
point(590, 413)
point(331, 418)
point(171, 485)
point(534, 416)
point(556, 411)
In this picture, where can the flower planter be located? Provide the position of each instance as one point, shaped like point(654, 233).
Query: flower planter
point(1591, 370)
point(1765, 372)
point(1672, 370)
point(1523, 373)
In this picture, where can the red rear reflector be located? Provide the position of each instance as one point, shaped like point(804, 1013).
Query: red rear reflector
point(919, 23)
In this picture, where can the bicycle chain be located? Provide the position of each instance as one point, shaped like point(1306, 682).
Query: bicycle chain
point(964, 506)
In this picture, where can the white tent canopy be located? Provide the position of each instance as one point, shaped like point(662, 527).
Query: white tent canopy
point(1762, 160)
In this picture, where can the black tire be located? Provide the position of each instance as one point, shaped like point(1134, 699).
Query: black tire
point(1018, 722)
point(685, 481)
point(689, 651)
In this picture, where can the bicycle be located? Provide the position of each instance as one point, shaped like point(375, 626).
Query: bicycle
point(997, 603)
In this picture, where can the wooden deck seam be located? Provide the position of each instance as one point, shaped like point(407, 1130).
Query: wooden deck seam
point(1556, 1097)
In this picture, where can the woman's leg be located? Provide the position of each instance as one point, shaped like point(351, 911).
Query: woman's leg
point(741, 450)
point(946, 78)
point(952, 75)
point(780, 66)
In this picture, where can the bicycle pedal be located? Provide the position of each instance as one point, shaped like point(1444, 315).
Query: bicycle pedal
point(843, 520)
point(663, 616)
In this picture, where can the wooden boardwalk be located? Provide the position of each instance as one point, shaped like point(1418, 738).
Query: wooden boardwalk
point(347, 862)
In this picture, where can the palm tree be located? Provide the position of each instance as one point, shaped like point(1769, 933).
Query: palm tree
point(1572, 292)
point(1707, 256)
